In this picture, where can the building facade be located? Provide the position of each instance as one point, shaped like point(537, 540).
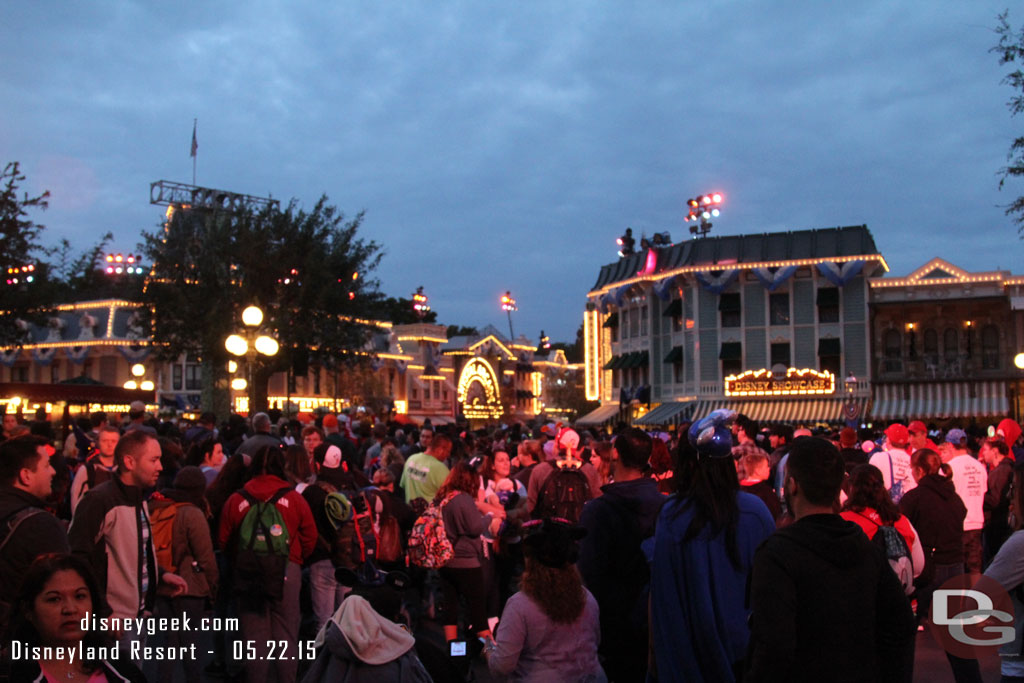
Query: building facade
point(775, 326)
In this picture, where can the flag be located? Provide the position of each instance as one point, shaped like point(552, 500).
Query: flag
point(195, 143)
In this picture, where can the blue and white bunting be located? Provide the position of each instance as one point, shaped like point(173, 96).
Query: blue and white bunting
point(839, 275)
point(716, 284)
point(772, 278)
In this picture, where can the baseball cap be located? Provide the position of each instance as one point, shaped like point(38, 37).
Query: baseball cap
point(955, 436)
point(330, 421)
point(848, 437)
point(897, 434)
point(917, 427)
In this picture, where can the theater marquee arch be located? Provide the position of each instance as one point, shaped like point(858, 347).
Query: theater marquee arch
point(479, 392)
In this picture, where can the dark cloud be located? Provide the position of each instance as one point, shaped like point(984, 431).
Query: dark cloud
point(504, 147)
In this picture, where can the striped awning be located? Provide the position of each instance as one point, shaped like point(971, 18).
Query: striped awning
point(667, 414)
point(938, 400)
point(793, 411)
point(600, 415)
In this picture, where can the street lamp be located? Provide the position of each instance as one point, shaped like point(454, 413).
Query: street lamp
point(137, 381)
point(702, 209)
point(250, 344)
point(508, 304)
point(420, 302)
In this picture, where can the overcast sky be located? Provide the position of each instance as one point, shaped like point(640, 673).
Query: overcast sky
point(505, 145)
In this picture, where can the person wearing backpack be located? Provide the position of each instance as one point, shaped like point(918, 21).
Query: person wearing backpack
point(181, 536)
point(331, 477)
point(894, 462)
point(266, 577)
point(870, 507)
point(560, 487)
point(98, 466)
point(611, 561)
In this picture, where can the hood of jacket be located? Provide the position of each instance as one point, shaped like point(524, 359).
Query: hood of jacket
point(938, 485)
point(828, 536)
point(357, 632)
point(265, 485)
point(638, 497)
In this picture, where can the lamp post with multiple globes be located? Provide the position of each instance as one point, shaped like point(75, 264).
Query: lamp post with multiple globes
point(250, 344)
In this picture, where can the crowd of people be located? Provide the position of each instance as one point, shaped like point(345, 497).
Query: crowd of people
point(343, 548)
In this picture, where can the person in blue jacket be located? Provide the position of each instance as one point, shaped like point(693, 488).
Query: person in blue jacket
point(700, 561)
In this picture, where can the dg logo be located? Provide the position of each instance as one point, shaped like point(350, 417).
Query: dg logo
point(972, 620)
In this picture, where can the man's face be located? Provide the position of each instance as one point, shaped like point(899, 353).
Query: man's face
point(311, 441)
point(107, 443)
point(40, 478)
point(918, 440)
point(442, 450)
point(144, 466)
point(426, 436)
point(10, 422)
point(773, 440)
point(987, 455)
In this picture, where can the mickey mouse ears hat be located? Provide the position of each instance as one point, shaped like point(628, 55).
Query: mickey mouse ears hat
point(554, 542)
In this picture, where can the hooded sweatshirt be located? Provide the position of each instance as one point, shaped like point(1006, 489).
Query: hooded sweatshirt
point(826, 606)
point(294, 509)
point(937, 513)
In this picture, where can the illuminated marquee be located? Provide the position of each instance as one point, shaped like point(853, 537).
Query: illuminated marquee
point(795, 383)
point(592, 343)
point(478, 391)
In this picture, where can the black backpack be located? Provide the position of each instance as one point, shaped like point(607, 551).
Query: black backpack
point(563, 495)
point(353, 515)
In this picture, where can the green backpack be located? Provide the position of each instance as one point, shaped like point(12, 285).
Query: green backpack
point(261, 554)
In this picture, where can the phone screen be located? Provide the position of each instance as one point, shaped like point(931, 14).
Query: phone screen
point(457, 648)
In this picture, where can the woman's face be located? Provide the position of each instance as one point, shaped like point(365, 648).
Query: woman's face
point(502, 465)
point(311, 441)
point(58, 610)
point(217, 455)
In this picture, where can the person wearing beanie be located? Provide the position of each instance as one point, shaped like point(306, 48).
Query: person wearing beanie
point(894, 461)
point(852, 456)
point(549, 629)
point(192, 559)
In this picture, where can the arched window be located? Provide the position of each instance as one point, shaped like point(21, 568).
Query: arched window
point(990, 348)
point(950, 344)
point(931, 345)
point(891, 343)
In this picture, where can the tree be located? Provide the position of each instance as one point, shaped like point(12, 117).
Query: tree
point(308, 270)
point(83, 278)
point(1011, 51)
point(29, 298)
point(461, 331)
point(400, 312)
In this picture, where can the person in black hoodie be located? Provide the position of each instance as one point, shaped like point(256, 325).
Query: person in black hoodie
point(613, 566)
point(937, 513)
point(826, 606)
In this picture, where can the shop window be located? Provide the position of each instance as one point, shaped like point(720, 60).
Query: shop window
point(778, 308)
point(176, 377)
point(731, 356)
point(931, 346)
point(830, 356)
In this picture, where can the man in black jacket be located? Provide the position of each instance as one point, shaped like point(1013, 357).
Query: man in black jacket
point(27, 530)
point(611, 562)
point(826, 604)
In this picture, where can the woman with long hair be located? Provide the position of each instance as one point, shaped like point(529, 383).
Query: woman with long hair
point(57, 594)
point(869, 506)
point(297, 467)
point(699, 626)
point(550, 629)
point(208, 455)
point(463, 576)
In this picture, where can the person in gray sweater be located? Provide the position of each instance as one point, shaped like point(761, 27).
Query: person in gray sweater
point(463, 575)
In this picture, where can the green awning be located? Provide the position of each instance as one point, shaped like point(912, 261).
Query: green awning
point(674, 309)
point(829, 347)
point(613, 363)
point(675, 355)
point(612, 321)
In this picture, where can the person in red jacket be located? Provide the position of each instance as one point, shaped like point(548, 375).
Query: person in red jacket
point(275, 620)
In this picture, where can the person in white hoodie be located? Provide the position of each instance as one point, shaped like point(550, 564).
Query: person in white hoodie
point(894, 462)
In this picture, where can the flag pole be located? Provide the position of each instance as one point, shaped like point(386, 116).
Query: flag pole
point(195, 149)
